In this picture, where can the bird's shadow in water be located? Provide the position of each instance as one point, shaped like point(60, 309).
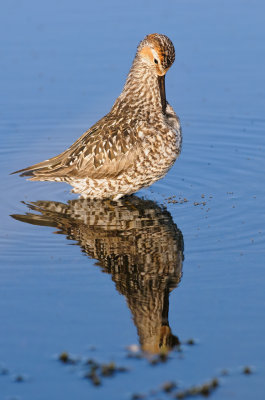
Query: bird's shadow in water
point(134, 240)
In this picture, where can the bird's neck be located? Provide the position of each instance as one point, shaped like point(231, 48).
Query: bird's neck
point(143, 93)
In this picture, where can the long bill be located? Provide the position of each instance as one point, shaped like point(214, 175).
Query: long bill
point(162, 88)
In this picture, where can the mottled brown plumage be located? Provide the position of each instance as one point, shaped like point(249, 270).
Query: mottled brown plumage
point(132, 146)
point(137, 243)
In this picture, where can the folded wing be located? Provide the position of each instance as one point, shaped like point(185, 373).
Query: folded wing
point(105, 150)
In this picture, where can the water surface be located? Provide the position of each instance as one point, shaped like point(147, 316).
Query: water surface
point(182, 260)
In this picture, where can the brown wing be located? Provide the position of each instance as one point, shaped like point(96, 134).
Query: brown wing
point(105, 150)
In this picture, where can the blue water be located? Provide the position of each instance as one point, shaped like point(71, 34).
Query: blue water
point(81, 291)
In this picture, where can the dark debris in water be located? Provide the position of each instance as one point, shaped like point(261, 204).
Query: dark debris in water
point(199, 203)
point(200, 390)
point(65, 358)
point(168, 387)
point(98, 371)
point(173, 200)
point(4, 371)
point(138, 396)
point(19, 378)
point(170, 390)
point(181, 200)
point(247, 370)
point(190, 342)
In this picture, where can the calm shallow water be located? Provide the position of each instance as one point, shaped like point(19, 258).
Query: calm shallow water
point(116, 273)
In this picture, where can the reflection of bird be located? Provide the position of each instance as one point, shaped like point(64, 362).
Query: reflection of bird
point(134, 240)
point(132, 146)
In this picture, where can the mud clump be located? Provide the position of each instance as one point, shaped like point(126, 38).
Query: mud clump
point(201, 390)
point(98, 371)
point(65, 358)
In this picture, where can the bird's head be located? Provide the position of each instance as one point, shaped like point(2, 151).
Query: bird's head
point(157, 51)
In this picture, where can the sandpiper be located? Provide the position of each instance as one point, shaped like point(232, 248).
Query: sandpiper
point(132, 146)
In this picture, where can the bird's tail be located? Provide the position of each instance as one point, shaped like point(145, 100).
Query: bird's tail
point(46, 170)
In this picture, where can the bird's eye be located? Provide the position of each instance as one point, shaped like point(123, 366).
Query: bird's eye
point(155, 61)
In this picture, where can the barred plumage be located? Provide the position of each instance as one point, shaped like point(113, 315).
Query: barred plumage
point(132, 146)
